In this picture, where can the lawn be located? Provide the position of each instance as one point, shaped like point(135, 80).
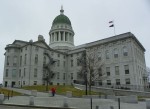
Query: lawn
point(7, 92)
point(60, 89)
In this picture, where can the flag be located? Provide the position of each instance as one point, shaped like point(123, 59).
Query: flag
point(110, 21)
point(111, 25)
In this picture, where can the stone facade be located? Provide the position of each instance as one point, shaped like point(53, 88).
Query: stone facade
point(122, 55)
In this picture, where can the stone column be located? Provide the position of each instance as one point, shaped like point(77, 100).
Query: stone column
point(59, 36)
point(55, 36)
point(64, 35)
point(68, 36)
point(50, 39)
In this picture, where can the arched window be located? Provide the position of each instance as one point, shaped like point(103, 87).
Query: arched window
point(35, 72)
point(107, 54)
point(20, 60)
point(125, 51)
point(99, 56)
point(15, 60)
point(25, 59)
point(36, 59)
point(115, 53)
point(8, 60)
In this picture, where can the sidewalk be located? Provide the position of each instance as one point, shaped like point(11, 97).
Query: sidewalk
point(43, 99)
point(79, 103)
point(28, 92)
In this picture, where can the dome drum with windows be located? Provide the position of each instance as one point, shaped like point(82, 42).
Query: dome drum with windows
point(61, 33)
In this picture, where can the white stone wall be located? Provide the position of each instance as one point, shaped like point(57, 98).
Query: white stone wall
point(135, 60)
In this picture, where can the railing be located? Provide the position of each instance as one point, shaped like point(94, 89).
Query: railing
point(115, 86)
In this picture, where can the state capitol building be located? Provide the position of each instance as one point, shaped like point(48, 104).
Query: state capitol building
point(35, 63)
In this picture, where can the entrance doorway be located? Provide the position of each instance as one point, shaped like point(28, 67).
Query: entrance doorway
point(13, 84)
point(5, 85)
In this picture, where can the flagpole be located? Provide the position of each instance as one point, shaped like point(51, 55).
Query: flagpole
point(114, 29)
point(112, 25)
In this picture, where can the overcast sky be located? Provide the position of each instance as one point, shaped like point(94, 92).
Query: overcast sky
point(26, 19)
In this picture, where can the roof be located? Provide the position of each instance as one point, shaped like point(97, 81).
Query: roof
point(110, 39)
point(61, 19)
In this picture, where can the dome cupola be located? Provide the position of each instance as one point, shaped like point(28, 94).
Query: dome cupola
point(61, 33)
point(61, 19)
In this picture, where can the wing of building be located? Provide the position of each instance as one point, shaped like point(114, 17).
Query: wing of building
point(35, 63)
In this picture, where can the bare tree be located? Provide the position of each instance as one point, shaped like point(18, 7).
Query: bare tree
point(92, 67)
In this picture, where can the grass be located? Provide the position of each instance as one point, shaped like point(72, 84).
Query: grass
point(7, 92)
point(60, 89)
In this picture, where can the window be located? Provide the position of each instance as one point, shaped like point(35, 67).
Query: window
point(19, 72)
point(58, 63)
point(107, 55)
point(6, 74)
point(100, 82)
point(24, 72)
point(64, 76)
point(8, 60)
point(115, 53)
point(78, 62)
point(127, 81)
point(126, 68)
point(35, 83)
point(58, 75)
point(125, 51)
point(71, 63)
point(25, 48)
point(35, 72)
point(20, 60)
point(24, 83)
point(64, 63)
point(71, 75)
point(117, 70)
point(15, 61)
point(108, 71)
point(14, 73)
point(117, 81)
point(108, 82)
point(99, 56)
point(25, 59)
point(100, 72)
point(36, 58)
